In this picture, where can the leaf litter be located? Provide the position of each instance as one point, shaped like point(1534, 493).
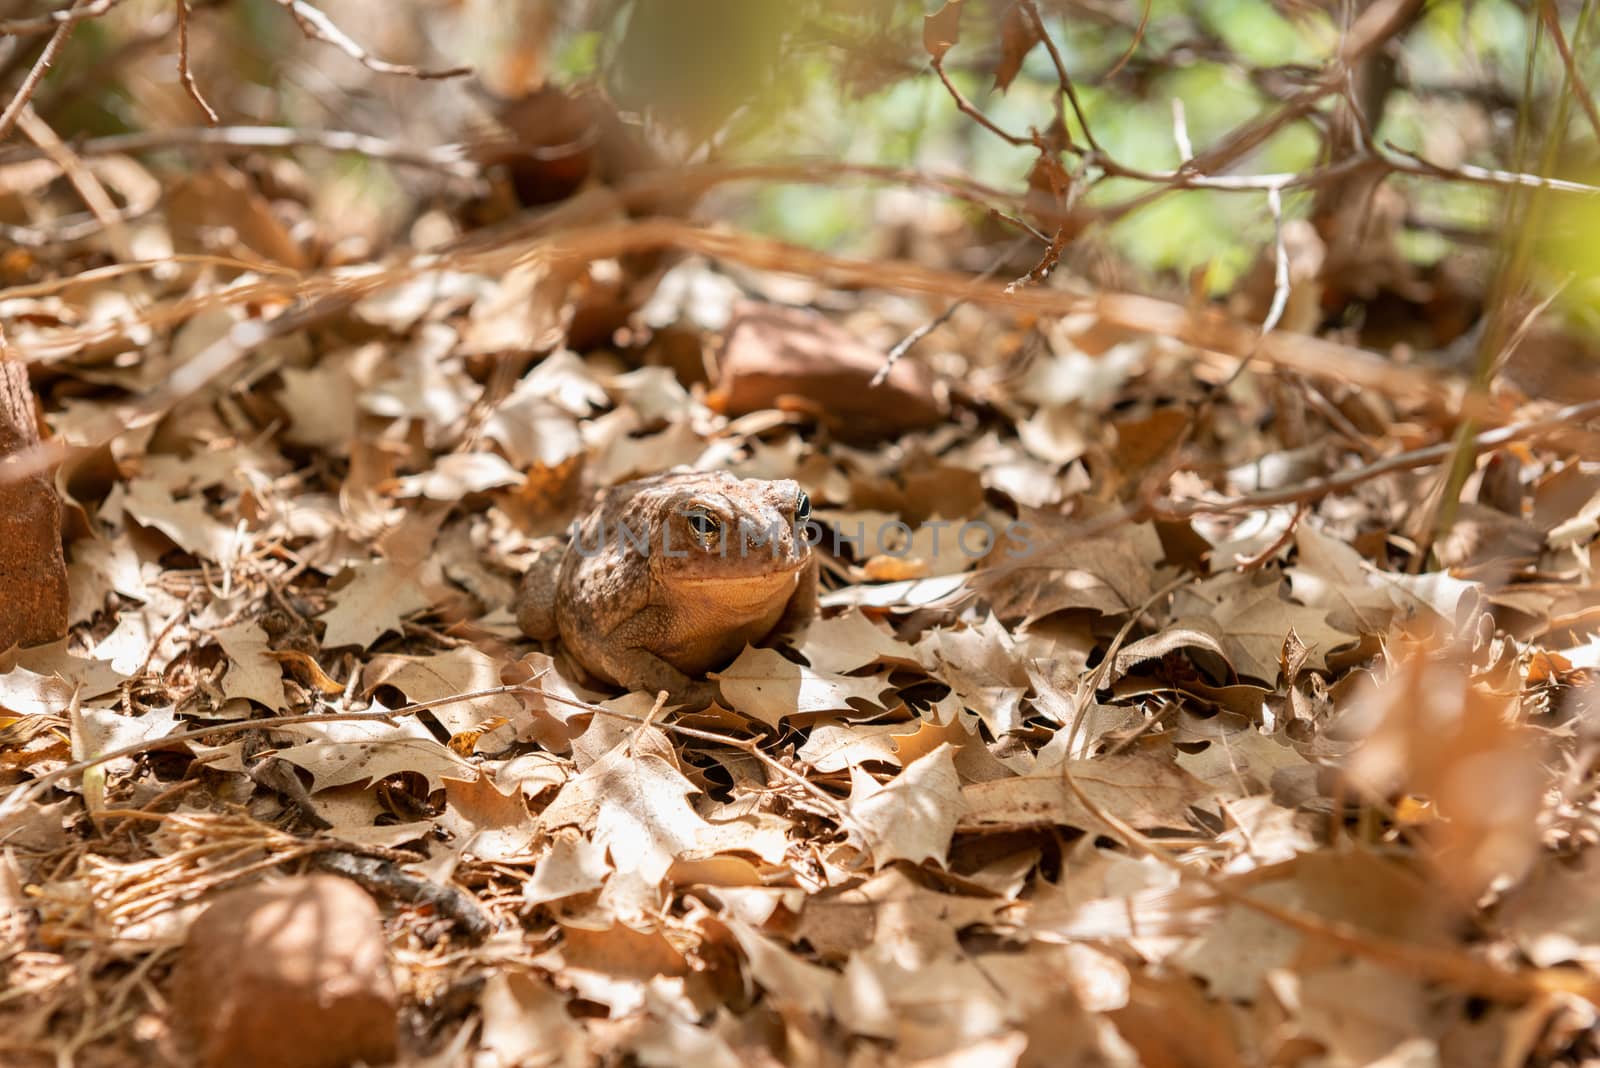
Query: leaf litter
point(1249, 783)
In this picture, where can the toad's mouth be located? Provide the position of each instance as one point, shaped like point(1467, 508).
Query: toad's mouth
point(768, 565)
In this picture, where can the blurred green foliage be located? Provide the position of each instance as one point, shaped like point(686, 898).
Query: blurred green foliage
point(847, 81)
point(850, 80)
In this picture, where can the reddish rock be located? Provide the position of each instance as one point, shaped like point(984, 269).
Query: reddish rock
point(291, 974)
point(33, 572)
point(776, 357)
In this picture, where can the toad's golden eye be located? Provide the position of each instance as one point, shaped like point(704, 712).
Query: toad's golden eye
point(802, 508)
point(705, 526)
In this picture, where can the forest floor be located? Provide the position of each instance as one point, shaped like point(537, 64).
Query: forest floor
point(1168, 703)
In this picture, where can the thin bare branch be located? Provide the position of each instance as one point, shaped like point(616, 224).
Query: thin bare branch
point(1580, 87)
point(1180, 130)
point(83, 180)
point(905, 344)
point(967, 108)
point(1133, 45)
point(1562, 419)
point(318, 26)
point(54, 20)
point(1063, 79)
point(30, 84)
point(1280, 263)
point(185, 75)
point(448, 158)
point(1466, 172)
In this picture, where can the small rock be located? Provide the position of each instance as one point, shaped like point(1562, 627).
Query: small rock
point(773, 353)
point(33, 572)
point(292, 974)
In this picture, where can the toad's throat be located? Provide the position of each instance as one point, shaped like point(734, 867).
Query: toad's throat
point(736, 593)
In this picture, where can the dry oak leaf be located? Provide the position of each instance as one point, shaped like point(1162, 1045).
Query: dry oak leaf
point(371, 604)
point(235, 466)
point(1262, 832)
point(100, 730)
point(187, 522)
point(253, 672)
point(1019, 32)
point(961, 1000)
point(634, 801)
point(939, 593)
point(1254, 618)
point(900, 917)
point(1554, 917)
point(850, 641)
point(1358, 597)
point(487, 824)
point(1435, 734)
point(735, 828)
point(942, 29)
point(565, 380)
point(610, 965)
point(980, 664)
point(616, 454)
point(1046, 565)
point(791, 982)
point(574, 865)
point(525, 1021)
point(361, 751)
point(321, 405)
point(431, 678)
point(99, 567)
point(358, 815)
point(1241, 763)
point(835, 746)
point(534, 432)
point(766, 686)
point(40, 829)
point(1331, 575)
point(1362, 1012)
point(522, 312)
point(914, 816)
point(1143, 789)
point(458, 474)
point(1351, 887)
point(41, 679)
point(427, 384)
point(1103, 895)
point(1195, 632)
point(146, 637)
point(654, 395)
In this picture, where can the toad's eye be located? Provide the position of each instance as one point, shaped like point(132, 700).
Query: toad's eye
point(802, 508)
point(706, 526)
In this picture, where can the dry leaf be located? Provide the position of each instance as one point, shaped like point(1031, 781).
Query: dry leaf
point(942, 29)
point(913, 817)
point(375, 601)
point(765, 686)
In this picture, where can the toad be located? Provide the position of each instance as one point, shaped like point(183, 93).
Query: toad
point(671, 576)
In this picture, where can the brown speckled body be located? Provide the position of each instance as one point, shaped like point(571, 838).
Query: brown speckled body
point(645, 598)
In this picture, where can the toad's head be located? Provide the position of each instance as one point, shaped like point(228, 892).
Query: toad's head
point(739, 541)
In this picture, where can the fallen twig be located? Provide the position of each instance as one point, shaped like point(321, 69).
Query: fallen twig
point(1405, 461)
